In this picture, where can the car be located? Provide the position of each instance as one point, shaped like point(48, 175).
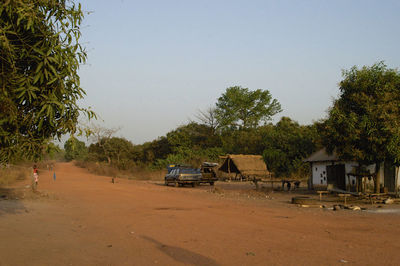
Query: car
point(208, 173)
point(180, 175)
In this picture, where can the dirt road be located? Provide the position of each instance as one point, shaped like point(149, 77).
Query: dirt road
point(86, 220)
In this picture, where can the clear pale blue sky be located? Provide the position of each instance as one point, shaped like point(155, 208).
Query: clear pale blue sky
point(153, 64)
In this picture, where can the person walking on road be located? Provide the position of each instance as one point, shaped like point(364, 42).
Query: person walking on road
point(35, 176)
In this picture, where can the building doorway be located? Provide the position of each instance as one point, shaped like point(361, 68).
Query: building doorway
point(390, 177)
point(336, 176)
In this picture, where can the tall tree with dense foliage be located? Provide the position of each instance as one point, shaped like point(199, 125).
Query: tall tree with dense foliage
point(286, 145)
point(364, 122)
point(240, 108)
point(75, 149)
point(40, 55)
point(192, 144)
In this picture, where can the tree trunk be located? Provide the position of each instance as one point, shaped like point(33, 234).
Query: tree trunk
point(377, 177)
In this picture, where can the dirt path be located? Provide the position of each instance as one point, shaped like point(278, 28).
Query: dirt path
point(87, 220)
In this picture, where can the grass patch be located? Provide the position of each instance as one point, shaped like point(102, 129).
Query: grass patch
point(12, 174)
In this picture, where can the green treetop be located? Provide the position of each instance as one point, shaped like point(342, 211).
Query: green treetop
point(364, 122)
point(241, 108)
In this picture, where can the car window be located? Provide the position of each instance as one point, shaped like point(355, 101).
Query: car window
point(190, 171)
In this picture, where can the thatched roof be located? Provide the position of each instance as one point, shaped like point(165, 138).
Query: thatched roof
point(322, 156)
point(246, 165)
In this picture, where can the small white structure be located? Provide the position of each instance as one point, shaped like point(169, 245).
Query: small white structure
point(328, 171)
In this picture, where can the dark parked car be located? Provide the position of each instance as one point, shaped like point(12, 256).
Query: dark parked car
point(181, 175)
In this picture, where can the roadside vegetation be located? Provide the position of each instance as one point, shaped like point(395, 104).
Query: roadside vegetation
point(11, 174)
point(239, 123)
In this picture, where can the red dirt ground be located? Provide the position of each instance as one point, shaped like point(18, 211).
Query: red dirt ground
point(83, 219)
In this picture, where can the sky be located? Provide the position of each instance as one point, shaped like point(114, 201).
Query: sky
point(152, 65)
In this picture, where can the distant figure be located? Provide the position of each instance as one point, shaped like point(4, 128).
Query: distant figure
point(54, 176)
point(288, 184)
point(35, 176)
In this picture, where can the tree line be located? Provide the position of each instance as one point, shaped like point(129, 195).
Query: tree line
point(239, 123)
point(363, 125)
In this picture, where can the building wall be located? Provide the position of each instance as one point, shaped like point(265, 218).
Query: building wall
point(319, 173)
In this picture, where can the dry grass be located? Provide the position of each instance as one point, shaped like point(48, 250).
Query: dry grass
point(11, 174)
point(144, 174)
point(136, 173)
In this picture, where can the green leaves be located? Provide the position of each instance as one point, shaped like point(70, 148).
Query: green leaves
point(75, 149)
point(286, 145)
point(363, 124)
point(241, 108)
point(40, 55)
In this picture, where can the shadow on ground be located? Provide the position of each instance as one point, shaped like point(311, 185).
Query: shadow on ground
point(10, 202)
point(182, 255)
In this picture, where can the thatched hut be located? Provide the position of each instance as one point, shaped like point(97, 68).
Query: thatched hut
point(244, 166)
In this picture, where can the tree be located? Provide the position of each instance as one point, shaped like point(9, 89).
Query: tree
point(364, 122)
point(40, 55)
point(286, 145)
point(118, 150)
point(241, 108)
point(52, 151)
point(192, 134)
point(243, 141)
point(208, 118)
point(100, 136)
point(194, 142)
point(156, 149)
point(75, 149)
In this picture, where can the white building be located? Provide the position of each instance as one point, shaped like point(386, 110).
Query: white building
point(328, 171)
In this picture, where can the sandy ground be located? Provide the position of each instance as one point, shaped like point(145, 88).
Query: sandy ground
point(83, 219)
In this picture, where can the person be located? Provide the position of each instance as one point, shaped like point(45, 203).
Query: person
point(288, 184)
point(35, 174)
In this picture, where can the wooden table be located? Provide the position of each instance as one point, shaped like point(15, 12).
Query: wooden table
point(345, 196)
point(320, 192)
